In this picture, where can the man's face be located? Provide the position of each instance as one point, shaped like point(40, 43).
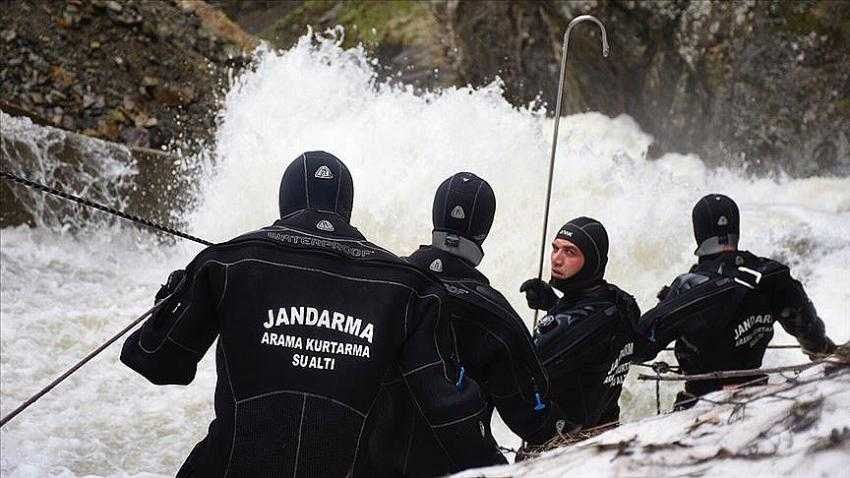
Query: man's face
point(567, 259)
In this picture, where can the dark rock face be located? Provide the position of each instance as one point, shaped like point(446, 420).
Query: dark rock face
point(763, 85)
point(756, 84)
point(138, 72)
point(138, 181)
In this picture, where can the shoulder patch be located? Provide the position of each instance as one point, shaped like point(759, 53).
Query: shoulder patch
point(325, 225)
point(436, 266)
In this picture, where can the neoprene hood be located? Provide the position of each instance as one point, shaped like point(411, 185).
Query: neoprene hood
point(316, 180)
point(590, 236)
point(716, 224)
point(463, 211)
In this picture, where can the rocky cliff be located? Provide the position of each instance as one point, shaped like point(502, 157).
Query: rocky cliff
point(137, 72)
point(762, 85)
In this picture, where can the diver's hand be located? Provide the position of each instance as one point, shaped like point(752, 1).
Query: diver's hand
point(538, 294)
point(827, 350)
point(174, 280)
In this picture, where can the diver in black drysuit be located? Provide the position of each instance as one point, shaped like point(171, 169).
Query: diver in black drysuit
point(309, 316)
point(721, 312)
point(588, 337)
point(490, 342)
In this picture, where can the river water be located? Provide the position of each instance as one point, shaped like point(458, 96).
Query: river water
point(63, 294)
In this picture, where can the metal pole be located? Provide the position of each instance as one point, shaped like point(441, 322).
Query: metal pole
point(561, 82)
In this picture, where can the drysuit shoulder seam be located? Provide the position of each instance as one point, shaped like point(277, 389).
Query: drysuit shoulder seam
point(313, 269)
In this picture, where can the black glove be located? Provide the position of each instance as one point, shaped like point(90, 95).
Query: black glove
point(827, 349)
point(174, 280)
point(538, 294)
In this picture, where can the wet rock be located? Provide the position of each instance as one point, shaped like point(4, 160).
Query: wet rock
point(135, 137)
point(150, 81)
point(92, 100)
point(71, 16)
point(739, 83)
point(116, 115)
point(129, 19)
point(107, 59)
point(54, 96)
point(174, 96)
point(61, 77)
point(68, 123)
point(38, 62)
point(8, 35)
point(128, 103)
point(163, 31)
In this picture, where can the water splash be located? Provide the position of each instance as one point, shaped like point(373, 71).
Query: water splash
point(59, 298)
point(97, 170)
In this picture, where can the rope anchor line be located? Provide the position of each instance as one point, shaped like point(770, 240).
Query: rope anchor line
point(9, 176)
point(675, 377)
point(76, 367)
point(136, 219)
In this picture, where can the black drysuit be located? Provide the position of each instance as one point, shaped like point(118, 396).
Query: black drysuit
point(721, 316)
point(308, 322)
point(586, 342)
point(494, 348)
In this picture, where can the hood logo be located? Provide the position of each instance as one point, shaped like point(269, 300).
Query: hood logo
point(325, 225)
point(464, 178)
point(458, 213)
point(324, 172)
point(564, 232)
point(436, 266)
point(722, 221)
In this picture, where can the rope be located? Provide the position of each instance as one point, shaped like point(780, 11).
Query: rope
point(76, 366)
point(85, 202)
point(663, 368)
point(136, 219)
point(671, 349)
point(730, 373)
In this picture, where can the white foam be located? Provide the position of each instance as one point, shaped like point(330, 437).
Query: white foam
point(61, 298)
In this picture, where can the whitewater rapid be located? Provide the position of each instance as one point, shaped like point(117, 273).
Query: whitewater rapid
point(63, 295)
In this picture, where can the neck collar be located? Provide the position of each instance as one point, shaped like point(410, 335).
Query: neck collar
point(717, 244)
point(458, 246)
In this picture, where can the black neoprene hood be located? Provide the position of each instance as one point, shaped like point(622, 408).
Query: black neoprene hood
point(316, 180)
point(590, 236)
point(716, 224)
point(464, 205)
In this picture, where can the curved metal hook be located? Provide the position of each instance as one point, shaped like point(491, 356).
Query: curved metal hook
point(561, 82)
point(585, 18)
